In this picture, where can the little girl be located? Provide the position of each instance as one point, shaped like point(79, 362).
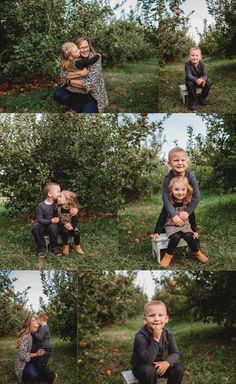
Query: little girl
point(180, 194)
point(71, 61)
point(68, 223)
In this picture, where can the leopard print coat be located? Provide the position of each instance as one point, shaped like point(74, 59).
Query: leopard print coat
point(23, 355)
point(94, 84)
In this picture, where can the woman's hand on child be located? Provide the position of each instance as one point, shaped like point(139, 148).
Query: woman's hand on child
point(55, 220)
point(184, 215)
point(40, 352)
point(155, 237)
point(161, 367)
point(177, 221)
point(73, 211)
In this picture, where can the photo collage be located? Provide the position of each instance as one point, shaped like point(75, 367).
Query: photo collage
point(118, 191)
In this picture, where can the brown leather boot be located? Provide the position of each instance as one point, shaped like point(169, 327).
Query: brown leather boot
point(166, 260)
point(201, 257)
point(79, 250)
point(66, 250)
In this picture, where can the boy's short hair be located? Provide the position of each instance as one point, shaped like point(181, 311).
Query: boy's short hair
point(43, 316)
point(48, 187)
point(174, 150)
point(153, 302)
point(195, 49)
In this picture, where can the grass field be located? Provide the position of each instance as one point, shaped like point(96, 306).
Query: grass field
point(216, 225)
point(62, 360)
point(126, 244)
point(17, 249)
point(207, 352)
point(131, 87)
point(222, 73)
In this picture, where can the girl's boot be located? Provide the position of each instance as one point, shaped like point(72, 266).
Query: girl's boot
point(166, 260)
point(79, 250)
point(201, 257)
point(65, 250)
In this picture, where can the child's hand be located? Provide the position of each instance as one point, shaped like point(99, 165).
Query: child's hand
point(155, 237)
point(177, 221)
point(184, 215)
point(161, 367)
point(73, 211)
point(68, 226)
point(196, 235)
point(55, 220)
point(157, 331)
point(200, 81)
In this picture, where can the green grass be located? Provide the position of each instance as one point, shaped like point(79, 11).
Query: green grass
point(222, 95)
point(207, 352)
point(17, 248)
point(216, 225)
point(62, 360)
point(131, 87)
point(126, 244)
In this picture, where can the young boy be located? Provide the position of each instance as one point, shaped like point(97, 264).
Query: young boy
point(178, 162)
point(42, 337)
point(46, 216)
point(150, 343)
point(196, 76)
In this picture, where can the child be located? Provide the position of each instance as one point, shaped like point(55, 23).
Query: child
point(68, 224)
point(150, 343)
point(42, 337)
point(180, 194)
point(70, 61)
point(196, 76)
point(178, 162)
point(47, 220)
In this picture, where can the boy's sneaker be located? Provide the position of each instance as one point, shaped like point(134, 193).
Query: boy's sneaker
point(203, 102)
point(41, 254)
point(56, 376)
point(192, 108)
point(57, 253)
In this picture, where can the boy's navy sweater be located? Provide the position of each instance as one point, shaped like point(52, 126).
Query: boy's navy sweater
point(147, 350)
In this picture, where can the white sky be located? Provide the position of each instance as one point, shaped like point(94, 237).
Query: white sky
point(29, 279)
point(196, 19)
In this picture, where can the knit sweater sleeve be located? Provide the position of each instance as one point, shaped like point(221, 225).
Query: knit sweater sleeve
point(93, 76)
point(173, 352)
point(146, 350)
point(188, 72)
point(165, 197)
point(196, 193)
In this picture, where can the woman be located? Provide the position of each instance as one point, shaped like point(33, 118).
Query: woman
point(91, 96)
point(24, 368)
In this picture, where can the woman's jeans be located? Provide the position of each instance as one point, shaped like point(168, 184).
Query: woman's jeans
point(80, 102)
point(30, 373)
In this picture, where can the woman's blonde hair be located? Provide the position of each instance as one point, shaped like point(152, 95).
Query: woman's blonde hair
point(184, 180)
point(25, 329)
point(71, 199)
point(65, 61)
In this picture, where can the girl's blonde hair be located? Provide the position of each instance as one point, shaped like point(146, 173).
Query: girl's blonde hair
point(25, 329)
point(184, 180)
point(71, 199)
point(66, 63)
